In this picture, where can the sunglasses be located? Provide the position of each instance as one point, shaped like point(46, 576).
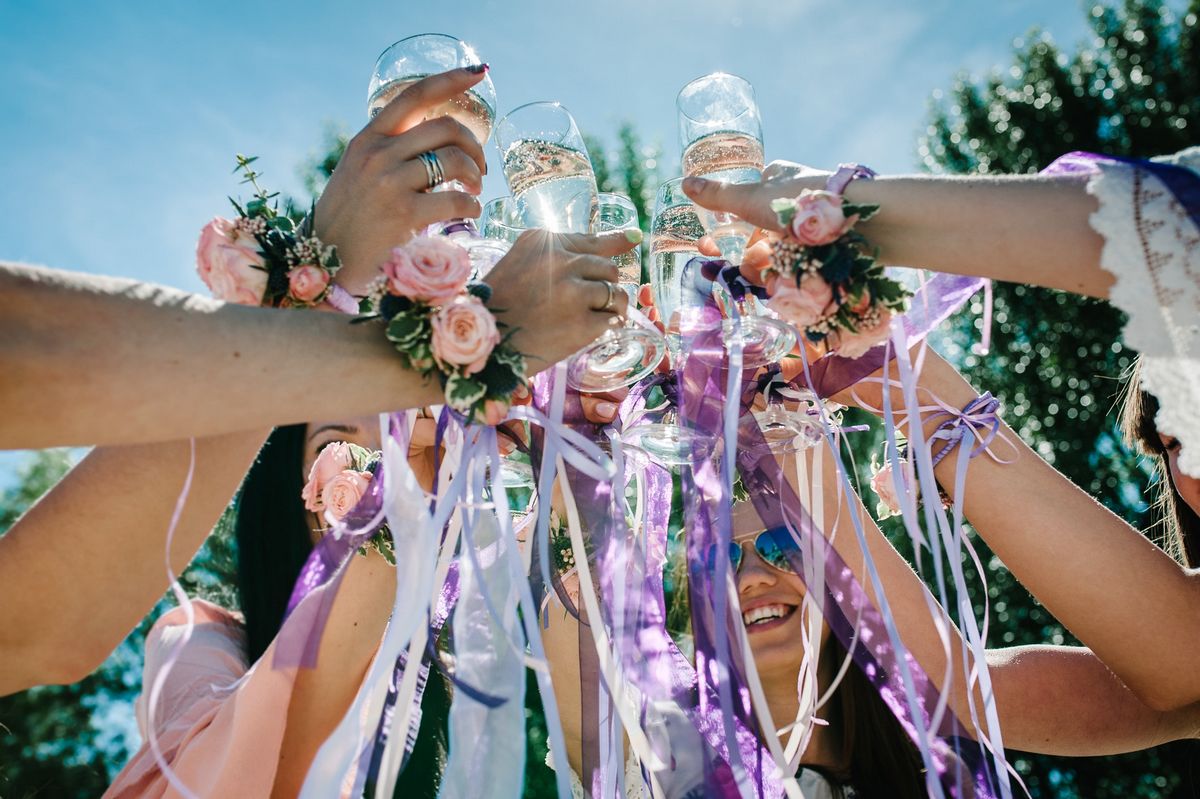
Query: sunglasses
point(776, 546)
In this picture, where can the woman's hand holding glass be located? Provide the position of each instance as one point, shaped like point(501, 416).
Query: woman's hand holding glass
point(377, 198)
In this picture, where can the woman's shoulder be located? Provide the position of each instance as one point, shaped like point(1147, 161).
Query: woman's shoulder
point(201, 658)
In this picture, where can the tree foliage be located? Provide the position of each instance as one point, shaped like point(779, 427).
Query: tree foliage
point(1056, 359)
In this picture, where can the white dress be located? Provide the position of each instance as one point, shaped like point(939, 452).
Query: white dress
point(1152, 248)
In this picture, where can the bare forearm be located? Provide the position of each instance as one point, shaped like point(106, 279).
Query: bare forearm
point(85, 564)
point(322, 695)
point(1125, 598)
point(95, 360)
point(1059, 700)
point(1026, 229)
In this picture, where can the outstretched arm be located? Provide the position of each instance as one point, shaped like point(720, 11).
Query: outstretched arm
point(1022, 228)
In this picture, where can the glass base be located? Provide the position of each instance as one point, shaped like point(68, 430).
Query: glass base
point(619, 358)
point(787, 431)
point(668, 444)
point(764, 340)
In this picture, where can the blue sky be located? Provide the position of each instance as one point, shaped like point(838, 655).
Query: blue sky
point(119, 121)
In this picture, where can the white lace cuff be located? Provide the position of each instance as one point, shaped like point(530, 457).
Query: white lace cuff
point(1152, 249)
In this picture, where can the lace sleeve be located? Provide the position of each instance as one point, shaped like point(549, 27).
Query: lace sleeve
point(1152, 249)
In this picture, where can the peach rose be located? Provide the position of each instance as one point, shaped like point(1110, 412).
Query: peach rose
point(343, 492)
point(307, 283)
point(333, 460)
point(464, 334)
point(885, 488)
point(855, 345)
point(802, 305)
point(429, 270)
point(230, 263)
point(819, 218)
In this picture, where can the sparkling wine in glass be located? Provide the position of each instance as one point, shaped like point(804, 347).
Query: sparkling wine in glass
point(547, 168)
point(721, 134)
point(417, 57)
point(678, 287)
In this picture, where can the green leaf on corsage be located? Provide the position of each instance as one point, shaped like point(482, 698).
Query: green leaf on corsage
point(785, 210)
point(405, 329)
point(463, 392)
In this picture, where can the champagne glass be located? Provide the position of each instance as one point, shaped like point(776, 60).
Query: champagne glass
point(627, 352)
point(787, 430)
point(553, 186)
point(408, 61)
point(676, 288)
point(501, 221)
point(721, 134)
point(547, 168)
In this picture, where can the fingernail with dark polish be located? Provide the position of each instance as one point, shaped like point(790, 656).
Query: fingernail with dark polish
point(475, 69)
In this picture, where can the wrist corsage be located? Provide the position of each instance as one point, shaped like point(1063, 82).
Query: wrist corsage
point(338, 479)
point(824, 278)
point(438, 322)
point(261, 259)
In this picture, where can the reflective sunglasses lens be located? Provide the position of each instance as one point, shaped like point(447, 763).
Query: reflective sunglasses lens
point(778, 548)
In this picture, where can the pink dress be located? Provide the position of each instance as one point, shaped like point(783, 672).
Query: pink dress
point(219, 721)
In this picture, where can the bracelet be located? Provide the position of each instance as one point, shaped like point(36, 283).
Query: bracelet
point(262, 258)
point(438, 322)
point(977, 416)
point(824, 277)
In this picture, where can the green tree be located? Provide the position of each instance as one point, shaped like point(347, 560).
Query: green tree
point(69, 741)
point(1056, 359)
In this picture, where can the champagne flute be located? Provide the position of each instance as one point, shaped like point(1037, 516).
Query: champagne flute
point(547, 168)
point(625, 353)
point(500, 220)
point(721, 134)
point(417, 57)
point(676, 288)
point(553, 186)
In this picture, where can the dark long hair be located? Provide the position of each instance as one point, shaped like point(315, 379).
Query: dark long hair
point(1180, 525)
point(273, 532)
point(880, 761)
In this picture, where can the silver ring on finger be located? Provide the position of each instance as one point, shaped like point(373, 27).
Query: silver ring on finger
point(610, 304)
point(434, 174)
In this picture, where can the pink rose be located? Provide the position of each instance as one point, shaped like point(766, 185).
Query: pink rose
point(307, 283)
point(429, 270)
point(230, 263)
point(464, 334)
point(333, 460)
point(802, 305)
point(885, 488)
point(819, 218)
point(854, 345)
point(343, 492)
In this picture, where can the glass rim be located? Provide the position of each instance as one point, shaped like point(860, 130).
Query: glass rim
point(679, 95)
point(523, 106)
point(385, 50)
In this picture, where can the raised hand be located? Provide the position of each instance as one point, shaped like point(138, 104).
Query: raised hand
point(752, 201)
point(377, 198)
point(550, 289)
